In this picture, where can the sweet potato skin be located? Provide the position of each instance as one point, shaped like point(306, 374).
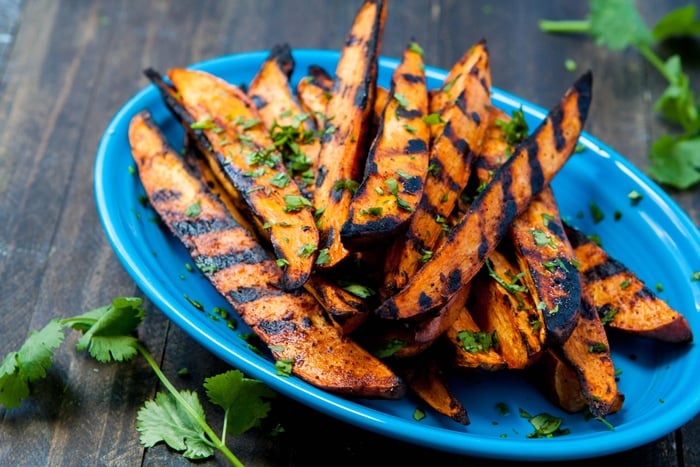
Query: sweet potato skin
point(291, 324)
point(523, 175)
point(511, 314)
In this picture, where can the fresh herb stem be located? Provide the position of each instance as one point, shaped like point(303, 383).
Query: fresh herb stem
point(567, 26)
point(215, 441)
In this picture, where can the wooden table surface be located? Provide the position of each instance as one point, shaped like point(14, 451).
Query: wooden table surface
point(67, 66)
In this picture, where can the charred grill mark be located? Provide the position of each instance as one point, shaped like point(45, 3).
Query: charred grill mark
point(454, 281)
point(415, 146)
point(557, 118)
point(411, 78)
point(583, 86)
point(485, 84)
point(436, 167)
point(196, 227)
point(351, 39)
point(429, 208)
point(412, 184)
point(275, 327)
point(459, 144)
point(403, 112)
point(165, 194)
point(645, 293)
point(415, 242)
point(461, 102)
point(382, 224)
point(605, 270)
point(282, 54)
point(242, 294)
point(536, 174)
point(424, 301)
point(258, 101)
point(476, 118)
point(321, 174)
point(556, 229)
point(337, 194)
point(361, 98)
point(218, 262)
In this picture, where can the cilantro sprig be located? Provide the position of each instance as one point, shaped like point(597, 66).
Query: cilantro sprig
point(617, 25)
point(174, 417)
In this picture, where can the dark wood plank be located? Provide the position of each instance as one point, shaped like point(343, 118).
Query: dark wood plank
point(59, 90)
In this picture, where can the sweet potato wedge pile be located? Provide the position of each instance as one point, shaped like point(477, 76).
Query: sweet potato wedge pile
point(385, 240)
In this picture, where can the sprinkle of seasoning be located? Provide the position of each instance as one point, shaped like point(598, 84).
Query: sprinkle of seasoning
point(635, 197)
point(433, 119)
point(323, 256)
point(413, 47)
point(194, 209)
point(401, 99)
point(596, 212)
point(418, 415)
point(294, 203)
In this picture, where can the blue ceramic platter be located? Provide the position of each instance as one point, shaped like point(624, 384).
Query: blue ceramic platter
point(655, 238)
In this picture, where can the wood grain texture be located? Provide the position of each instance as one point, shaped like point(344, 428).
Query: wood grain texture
point(73, 64)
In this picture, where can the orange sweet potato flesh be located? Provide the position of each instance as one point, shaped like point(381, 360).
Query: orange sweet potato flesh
point(293, 325)
point(511, 190)
point(346, 133)
point(468, 357)
point(507, 311)
point(425, 377)
point(560, 384)
point(282, 114)
point(314, 92)
point(621, 298)
point(397, 162)
point(465, 114)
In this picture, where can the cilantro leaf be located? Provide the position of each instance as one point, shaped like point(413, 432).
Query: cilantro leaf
point(165, 419)
point(678, 22)
point(110, 337)
point(677, 103)
point(241, 398)
point(618, 24)
point(676, 161)
point(28, 364)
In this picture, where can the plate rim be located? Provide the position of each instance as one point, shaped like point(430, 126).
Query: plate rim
point(345, 409)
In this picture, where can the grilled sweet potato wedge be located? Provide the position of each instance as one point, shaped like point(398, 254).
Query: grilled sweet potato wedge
point(448, 170)
point(502, 305)
point(239, 147)
point(426, 378)
point(623, 301)
point(345, 309)
point(293, 325)
point(346, 133)
point(314, 92)
point(540, 245)
point(587, 351)
point(397, 162)
point(473, 348)
point(560, 384)
point(293, 131)
point(521, 177)
point(544, 251)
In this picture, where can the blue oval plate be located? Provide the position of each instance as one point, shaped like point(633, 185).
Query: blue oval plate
point(655, 238)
